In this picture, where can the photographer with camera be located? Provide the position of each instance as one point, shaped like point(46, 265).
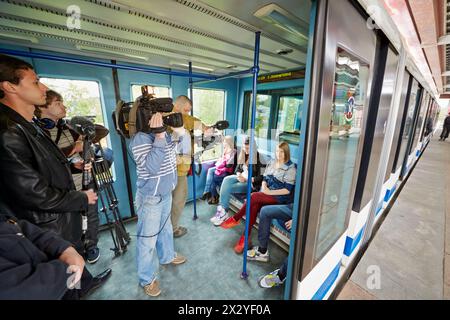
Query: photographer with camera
point(51, 119)
point(183, 105)
point(35, 176)
point(155, 156)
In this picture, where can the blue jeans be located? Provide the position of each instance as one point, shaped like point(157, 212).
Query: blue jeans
point(209, 179)
point(216, 183)
point(153, 249)
point(281, 212)
point(230, 185)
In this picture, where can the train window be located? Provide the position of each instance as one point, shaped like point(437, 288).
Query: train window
point(289, 111)
point(263, 106)
point(159, 92)
point(81, 98)
point(278, 109)
point(351, 77)
point(209, 106)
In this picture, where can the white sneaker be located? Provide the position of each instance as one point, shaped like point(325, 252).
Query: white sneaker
point(218, 213)
point(254, 254)
point(221, 219)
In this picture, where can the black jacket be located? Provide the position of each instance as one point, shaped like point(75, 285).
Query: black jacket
point(256, 172)
point(447, 122)
point(29, 265)
point(35, 179)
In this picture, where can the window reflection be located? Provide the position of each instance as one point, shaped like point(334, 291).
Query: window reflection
point(407, 131)
point(349, 96)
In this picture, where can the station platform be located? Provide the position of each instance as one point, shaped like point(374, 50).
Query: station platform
point(411, 250)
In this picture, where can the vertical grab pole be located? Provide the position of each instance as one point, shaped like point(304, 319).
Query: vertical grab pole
point(255, 70)
point(123, 144)
point(191, 93)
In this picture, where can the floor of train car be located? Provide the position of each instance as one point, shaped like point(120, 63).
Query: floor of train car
point(212, 270)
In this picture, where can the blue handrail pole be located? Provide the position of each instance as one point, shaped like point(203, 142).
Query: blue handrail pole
point(104, 64)
point(244, 274)
point(191, 93)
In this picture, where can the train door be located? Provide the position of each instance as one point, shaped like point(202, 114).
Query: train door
point(415, 99)
point(378, 112)
point(394, 164)
point(341, 80)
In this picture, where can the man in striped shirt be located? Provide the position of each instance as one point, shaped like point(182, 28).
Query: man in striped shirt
point(156, 165)
point(51, 116)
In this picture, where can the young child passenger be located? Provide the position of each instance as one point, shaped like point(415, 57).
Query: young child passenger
point(223, 167)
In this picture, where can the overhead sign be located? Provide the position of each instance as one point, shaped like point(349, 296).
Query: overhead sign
point(297, 74)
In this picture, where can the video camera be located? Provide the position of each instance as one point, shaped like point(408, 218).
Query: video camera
point(131, 118)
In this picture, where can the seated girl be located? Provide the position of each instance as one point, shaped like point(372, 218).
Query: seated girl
point(277, 188)
point(223, 167)
point(237, 183)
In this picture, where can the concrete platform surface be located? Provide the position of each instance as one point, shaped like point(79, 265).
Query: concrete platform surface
point(411, 250)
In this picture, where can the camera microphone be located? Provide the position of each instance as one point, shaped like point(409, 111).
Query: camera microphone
point(83, 126)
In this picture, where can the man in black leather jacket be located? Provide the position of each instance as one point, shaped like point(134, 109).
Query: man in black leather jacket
point(35, 178)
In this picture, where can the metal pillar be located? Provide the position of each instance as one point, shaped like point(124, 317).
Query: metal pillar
point(191, 93)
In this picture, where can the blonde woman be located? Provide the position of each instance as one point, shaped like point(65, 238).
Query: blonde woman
point(277, 188)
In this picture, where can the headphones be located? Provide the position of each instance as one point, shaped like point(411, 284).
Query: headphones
point(46, 123)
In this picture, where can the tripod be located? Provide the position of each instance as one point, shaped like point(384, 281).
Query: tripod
point(104, 183)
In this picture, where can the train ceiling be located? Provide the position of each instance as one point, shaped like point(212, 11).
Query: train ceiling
point(216, 35)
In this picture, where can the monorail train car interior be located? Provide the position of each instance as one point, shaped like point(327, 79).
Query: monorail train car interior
point(348, 99)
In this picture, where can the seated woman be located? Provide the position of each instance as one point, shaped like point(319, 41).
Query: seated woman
point(222, 168)
point(237, 183)
point(277, 188)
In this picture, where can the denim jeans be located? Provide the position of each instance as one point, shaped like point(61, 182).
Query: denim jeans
point(209, 179)
point(281, 212)
point(152, 248)
point(216, 183)
point(230, 185)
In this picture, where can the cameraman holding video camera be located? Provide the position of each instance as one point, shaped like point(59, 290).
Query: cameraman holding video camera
point(155, 157)
point(183, 105)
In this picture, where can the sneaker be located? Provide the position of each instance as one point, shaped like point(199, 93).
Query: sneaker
point(92, 255)
point(270, 280)
point(179, 259)
point(254, 254)
point(239, 247)
point(224, 216)
point(229, 223)
point(153, 289)
point(218, 213)
point(179, 232)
